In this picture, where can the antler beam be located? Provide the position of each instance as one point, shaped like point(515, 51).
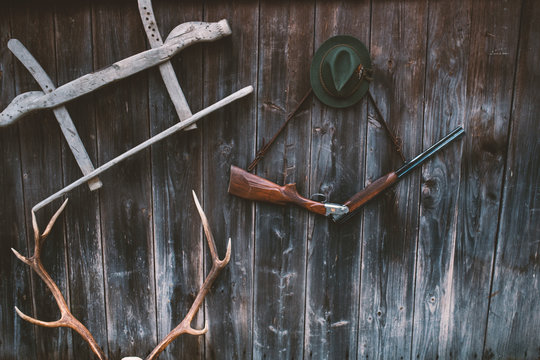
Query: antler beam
point(66, 318)
point(217, 265)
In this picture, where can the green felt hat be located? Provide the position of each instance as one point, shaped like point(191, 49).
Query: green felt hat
point(340, 71)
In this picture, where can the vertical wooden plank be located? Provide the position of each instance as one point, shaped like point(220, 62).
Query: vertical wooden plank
point(445, 104)
point(229, 138)
point(398, 38)
point(125, 199)
point(492, 59)
point(18, 337)
point(337, 163)
point(73, 39)
point(176, 170)
point(285, 43)
point(514, 318)
point(42, 175)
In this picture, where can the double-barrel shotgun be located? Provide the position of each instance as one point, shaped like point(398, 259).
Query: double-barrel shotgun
point(252, 187)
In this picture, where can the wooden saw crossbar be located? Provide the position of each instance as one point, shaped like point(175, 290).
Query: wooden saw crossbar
point(159, 55)
point(166, 69)
point(62, 116)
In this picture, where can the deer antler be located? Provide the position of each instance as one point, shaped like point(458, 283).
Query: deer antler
point(69, 321)
point(185, 325)
point(66, 318)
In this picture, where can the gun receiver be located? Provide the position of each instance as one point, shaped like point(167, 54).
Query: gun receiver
point(253, 187)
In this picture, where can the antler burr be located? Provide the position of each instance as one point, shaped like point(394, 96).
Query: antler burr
point(66, 318)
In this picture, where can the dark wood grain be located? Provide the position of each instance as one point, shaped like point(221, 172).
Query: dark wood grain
point(229, 138)
point(18, 336)
point(285, 43)
point(42, 174)
point(73, 43)
point(398, 38)
point(337, 158)
point(514, 309)
point(176, 170)
point(491, 64)
point(125, 199)
point(442, 265)
point(445, 100)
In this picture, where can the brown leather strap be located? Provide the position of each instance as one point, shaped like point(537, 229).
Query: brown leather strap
point(380, 120)
point(264, 149)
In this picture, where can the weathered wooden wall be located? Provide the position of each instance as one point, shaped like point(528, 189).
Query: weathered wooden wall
point(445, 265)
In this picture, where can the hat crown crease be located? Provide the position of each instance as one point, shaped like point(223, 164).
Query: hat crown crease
point(342, 67)
point(336, 71)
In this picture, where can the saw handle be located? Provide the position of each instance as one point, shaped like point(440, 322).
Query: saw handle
point(21, 105)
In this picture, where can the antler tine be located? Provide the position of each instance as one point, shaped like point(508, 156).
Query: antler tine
point(53, 219)
point(66, 318)
point(217, 265)
point(209, 236)
point(39, 238)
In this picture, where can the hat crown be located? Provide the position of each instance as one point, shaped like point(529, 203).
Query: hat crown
point(339, 71)
point(342, 63)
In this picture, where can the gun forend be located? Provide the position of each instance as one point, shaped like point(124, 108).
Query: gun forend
point(380, 185)
point(366, 195)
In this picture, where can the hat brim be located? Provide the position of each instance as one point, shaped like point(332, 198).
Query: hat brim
point(315, 80)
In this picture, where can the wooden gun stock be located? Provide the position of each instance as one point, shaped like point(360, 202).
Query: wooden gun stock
point(253, 187)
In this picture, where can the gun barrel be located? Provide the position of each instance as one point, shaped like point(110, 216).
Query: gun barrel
point(439, 145)
point(378, 186)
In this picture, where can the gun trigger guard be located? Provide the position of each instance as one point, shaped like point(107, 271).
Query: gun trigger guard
point(319, 197)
